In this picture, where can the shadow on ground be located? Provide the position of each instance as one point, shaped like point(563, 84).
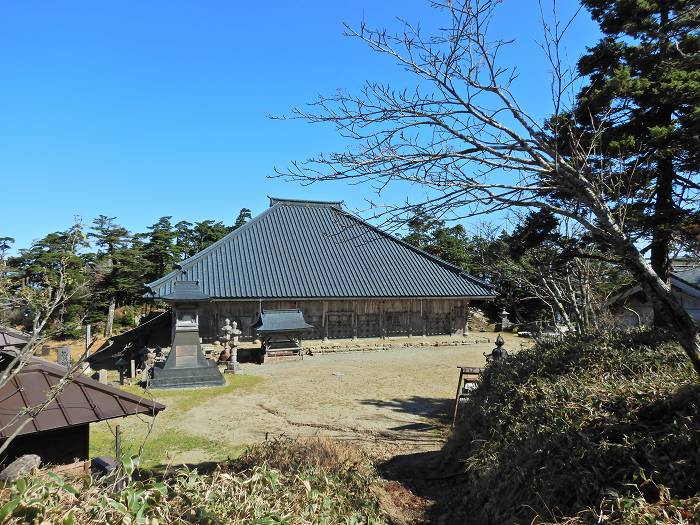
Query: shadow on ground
point(439, 409)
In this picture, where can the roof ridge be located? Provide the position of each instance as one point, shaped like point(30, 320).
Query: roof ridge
point(304, 202)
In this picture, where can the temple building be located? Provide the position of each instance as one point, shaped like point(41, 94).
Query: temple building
point(348, 278)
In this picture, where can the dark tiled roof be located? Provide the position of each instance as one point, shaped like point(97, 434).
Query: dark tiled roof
point(281, 321)
point(311, 249)
point(690, 276)
point(81, 401)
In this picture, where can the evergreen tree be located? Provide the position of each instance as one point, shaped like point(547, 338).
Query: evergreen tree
point(644, 90)
point(159, 248)
point(185, 243)
point(5, 245)
point(243, 217)
point(207, 233)
point(432, 236)
point(54, 270)
point(421, 227)
point(120, 266)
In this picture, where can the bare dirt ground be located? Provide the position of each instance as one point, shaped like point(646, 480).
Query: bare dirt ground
point(390, 401)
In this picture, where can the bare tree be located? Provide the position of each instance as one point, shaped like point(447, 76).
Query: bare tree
point(463, 135)
point(44, 302)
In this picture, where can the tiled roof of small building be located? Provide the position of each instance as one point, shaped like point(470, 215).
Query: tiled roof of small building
point(312, 249)
point(82, 400)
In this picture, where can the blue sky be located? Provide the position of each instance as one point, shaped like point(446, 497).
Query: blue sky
point(144, 109)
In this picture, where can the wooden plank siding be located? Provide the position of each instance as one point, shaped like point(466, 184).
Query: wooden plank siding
point(340, 319)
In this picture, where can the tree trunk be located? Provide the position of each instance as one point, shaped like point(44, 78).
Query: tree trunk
point(672, 313)
point(664, 302)
point(110, 317)
point(662, 220)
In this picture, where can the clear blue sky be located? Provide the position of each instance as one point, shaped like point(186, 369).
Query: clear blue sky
point(142, 109)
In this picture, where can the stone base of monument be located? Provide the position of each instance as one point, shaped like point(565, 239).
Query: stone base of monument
point(182, 377)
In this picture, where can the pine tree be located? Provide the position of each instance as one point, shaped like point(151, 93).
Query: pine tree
point(159, 249)
point(207, 233)
point(243, 216)
point(54, 270)
point(644, 88)
point(120, 266)
point(420, 229)
point(5, 245)
point(185, 244)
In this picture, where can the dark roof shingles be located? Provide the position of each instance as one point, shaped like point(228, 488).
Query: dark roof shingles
point(82, 400)
point(296, 251)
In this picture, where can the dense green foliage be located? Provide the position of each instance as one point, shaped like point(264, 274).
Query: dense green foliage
point(582, 425)
point(276, 483)
point(541, 272)
point(109, 264)
point(37, 281)
point(643, 92)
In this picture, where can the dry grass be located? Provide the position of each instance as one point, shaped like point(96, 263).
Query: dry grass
point(277, 483)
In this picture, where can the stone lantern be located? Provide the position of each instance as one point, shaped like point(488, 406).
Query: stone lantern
point(186, 365)
point(499, 353)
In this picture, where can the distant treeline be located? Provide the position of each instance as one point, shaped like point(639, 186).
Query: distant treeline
point(111, 263)
point(540, 271)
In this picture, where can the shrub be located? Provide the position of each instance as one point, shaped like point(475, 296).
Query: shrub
point(277, 483)
point(578, 424)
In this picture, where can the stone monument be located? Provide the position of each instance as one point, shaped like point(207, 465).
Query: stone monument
point(64, 356)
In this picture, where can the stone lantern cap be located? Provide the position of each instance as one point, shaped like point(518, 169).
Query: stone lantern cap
point(186, 291)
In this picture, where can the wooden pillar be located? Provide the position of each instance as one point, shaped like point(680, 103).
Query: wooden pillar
point(410, 317)
point(382, 323)
point(466, 317)
point(354, 319)
point(325, 320)
point(422, 318)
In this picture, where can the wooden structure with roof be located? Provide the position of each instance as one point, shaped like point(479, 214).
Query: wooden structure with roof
point(632, 307)
point(348, 277)
point(281, 332)
point(60, 432)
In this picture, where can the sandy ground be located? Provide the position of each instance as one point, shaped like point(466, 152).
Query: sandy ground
point(390, 401)
point(398, 399)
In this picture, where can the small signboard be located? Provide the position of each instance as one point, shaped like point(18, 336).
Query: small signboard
point(64, 357)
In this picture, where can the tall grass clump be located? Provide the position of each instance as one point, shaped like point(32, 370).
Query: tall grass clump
point(588, 429)
point(277, 483)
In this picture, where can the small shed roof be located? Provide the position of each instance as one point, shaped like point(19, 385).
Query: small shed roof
point(11, 337)
point(83, 400)
point(281, 321)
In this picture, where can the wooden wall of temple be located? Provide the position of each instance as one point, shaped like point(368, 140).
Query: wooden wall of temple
point(336, 319)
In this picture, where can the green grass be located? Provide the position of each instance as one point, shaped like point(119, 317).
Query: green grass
point(187, 398)
point(168, 438)
point(159, 449)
